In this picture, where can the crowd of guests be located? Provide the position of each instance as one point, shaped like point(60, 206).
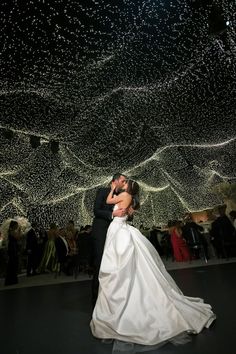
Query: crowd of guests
point(57, 249)
point(185, 240)
point(71, 250)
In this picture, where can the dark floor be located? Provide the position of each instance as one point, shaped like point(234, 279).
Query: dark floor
point(54, 319)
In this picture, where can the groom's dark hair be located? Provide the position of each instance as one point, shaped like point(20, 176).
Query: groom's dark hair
point(117, 176)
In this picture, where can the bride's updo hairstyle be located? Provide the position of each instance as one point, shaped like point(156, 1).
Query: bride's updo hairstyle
point(133, 189)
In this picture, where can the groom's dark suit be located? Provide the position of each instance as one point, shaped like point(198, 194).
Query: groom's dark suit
point(101, 222)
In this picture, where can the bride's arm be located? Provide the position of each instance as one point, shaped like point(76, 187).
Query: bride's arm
point(114, 199)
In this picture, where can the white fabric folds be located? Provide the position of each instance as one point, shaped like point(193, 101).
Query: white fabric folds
point(138, 301)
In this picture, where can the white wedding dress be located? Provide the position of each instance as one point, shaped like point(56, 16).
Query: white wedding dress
point(138, 301)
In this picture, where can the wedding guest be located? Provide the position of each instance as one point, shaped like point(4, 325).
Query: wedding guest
point(14, 235)
point(49, 260)
point(179, 245)
point(232, 216)
point(71, 236)
point(71, 230)
point(154, 240)
point(193, 234)
point(62, 251)
point(32, 250)
point(222, 231)
point(42, 242)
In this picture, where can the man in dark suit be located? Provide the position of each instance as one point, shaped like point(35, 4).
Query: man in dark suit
point(194, 236)
point(154, 240)
point(32, 250)
point(222, 233)
point(103, 215)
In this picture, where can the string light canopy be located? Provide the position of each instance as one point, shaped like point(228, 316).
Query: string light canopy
point(143, 87)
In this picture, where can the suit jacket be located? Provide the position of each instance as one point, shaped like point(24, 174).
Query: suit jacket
point(102, 215)
point(192, 233)
point(222, 228)
point(61, 249)
point(31, 241)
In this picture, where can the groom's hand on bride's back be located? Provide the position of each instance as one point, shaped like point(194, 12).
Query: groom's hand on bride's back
point(119, 212)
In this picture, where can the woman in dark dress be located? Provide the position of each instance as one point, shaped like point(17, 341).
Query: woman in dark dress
point(13, 253)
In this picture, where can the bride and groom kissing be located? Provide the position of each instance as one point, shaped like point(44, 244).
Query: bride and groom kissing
point(135, 299)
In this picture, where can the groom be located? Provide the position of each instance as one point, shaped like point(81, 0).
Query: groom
point(103, 215)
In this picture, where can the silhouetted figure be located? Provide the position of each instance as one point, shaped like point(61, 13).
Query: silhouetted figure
point(32, 251)
point(222, 233)
point(13, 253)
point(232, 216)
point(153, 238)
point(193, 234)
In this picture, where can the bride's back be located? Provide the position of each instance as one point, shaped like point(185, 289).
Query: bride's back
point(126, 200)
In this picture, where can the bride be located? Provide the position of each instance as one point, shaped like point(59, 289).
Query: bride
point(138, 301)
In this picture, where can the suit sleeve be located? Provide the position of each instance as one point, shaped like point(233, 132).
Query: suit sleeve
point(29, 240)
point(100, 202)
